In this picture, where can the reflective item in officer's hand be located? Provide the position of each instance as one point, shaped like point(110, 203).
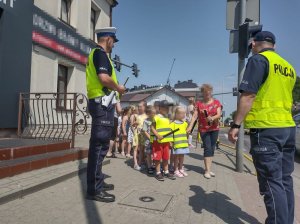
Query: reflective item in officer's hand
point(106, 91)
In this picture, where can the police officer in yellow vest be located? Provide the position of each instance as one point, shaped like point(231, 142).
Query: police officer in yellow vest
point(265, 106)
point(101, 81)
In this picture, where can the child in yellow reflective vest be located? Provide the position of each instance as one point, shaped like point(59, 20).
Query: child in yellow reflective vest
point(180, 144)
point(161, 143)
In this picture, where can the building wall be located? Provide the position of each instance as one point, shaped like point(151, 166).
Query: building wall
point(51, 7)
point(45, 62)
point(80, 13)
point(162, 95)
point(169, 96)
point(44, 66)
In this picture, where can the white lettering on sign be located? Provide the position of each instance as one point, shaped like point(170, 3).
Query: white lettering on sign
point(10, 2)
point(62, 34)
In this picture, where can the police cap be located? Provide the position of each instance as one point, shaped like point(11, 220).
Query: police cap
point(107, 31)
point(265, 36)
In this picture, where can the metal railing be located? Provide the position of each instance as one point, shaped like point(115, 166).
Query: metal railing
point(55, 116)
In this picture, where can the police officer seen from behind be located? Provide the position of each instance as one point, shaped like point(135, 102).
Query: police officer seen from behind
point(265, 106)
point(101, 80)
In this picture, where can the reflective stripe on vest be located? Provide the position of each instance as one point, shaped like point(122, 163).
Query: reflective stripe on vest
point(163, 127)
point(273, 103)
point(93, 85)
point(180, 137)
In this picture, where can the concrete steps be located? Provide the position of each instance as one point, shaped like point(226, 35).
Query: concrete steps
point(23, 155)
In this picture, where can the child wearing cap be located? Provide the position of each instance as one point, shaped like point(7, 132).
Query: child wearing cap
point(161, 144)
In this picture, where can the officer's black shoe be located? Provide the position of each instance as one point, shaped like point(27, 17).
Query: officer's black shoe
point(108, 187)
point(103, 196)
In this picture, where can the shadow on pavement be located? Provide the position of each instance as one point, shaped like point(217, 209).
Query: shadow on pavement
point(197, 169)
point(220, 205)
point(91, 211)
point(195, 156)
point(200, 169)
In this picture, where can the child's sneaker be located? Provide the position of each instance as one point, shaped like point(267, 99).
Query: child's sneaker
point(137, 167)
point(171, 169)
point(150, 171)
point(183, 172)
point(178, 174)
point(170, 176)
point(159, 177)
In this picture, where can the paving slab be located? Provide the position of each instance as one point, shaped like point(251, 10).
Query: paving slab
point(230, 197)
point(148, 200)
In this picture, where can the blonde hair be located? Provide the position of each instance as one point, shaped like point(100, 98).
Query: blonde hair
point(206, 87)
point(177, 110)
point(132, 108)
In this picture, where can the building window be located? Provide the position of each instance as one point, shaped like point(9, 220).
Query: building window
point(65, 11)
point(62, 84)
point(93, 24)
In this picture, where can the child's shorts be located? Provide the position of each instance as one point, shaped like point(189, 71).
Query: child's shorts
point(161, 151)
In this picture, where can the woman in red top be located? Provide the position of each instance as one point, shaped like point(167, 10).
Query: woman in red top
point(208, 112)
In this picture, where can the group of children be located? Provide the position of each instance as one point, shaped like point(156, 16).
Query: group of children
point(154, 138)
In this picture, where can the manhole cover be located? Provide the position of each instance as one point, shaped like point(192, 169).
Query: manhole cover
point(147, 200)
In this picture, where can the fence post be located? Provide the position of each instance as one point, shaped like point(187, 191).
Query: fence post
point(20, 115)
point(74, 119)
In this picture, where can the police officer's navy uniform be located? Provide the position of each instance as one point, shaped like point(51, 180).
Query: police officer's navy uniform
point(272, 129)
point(102, 116)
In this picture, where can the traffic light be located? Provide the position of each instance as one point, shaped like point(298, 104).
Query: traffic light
point(135, 70)
point(246, 33)
point(117, 61)
point(234, 91)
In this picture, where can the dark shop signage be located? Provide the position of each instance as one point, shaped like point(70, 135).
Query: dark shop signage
point(59, 37)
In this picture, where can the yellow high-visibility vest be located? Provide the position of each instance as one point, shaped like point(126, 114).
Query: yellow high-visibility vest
point(163, 127)
point(93, 85)
point(180, 136)
point(273, 103)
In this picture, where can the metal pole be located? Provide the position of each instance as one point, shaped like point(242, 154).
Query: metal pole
point(241, 65)
point(128, 66)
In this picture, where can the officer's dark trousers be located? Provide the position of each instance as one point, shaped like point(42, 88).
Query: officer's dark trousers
point(273, 153)
point(102, 127)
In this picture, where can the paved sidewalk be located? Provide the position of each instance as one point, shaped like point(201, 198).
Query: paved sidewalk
point(230, 197)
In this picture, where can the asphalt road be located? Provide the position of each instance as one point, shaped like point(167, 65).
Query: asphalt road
point(223, 139)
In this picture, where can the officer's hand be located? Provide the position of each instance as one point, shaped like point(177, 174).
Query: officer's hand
point(121, 89)
point(233, 135)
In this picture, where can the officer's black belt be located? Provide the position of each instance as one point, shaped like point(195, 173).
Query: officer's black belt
point(96, 100)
